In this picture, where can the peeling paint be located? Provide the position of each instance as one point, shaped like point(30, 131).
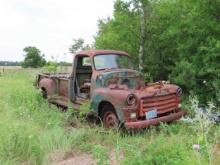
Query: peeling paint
point(113, 86)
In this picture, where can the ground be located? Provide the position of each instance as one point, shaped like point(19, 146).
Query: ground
point(32, 132)
point(60, 158)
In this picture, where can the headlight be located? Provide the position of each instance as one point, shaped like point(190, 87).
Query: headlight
point(133, 115)
point(179, 105)
point(131, 99)
point(179, 92)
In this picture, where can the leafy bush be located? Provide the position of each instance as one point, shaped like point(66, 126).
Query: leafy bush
point(31, 130)
point(51, 67)
point(182, 41)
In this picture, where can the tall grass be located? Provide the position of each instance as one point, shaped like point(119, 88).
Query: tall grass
point(30, 130)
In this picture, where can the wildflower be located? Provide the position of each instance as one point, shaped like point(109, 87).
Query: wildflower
point(196, 147)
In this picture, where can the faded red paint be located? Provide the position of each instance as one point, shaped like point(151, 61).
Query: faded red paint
point(160, 96)
point(156, 121)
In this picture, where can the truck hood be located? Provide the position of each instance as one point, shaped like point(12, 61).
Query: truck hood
point(139, 87)
point(113, 79)
point(120, 73)
point(158, 89)
point(122, 79)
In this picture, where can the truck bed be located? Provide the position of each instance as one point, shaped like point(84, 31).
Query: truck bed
point(55, 75)
point(57, 88)
point(60, 83)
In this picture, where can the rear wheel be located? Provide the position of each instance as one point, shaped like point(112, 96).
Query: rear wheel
point(109, 117)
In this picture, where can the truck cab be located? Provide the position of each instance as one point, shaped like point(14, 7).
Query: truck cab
point(117, 92)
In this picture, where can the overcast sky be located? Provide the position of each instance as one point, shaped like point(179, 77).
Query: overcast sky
point(49, 25)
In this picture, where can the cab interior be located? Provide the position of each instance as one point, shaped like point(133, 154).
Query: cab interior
point(83, 77)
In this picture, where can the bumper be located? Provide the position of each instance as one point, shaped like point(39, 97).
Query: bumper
point(156, 121)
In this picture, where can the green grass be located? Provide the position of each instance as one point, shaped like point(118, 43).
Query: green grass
point(30, 130)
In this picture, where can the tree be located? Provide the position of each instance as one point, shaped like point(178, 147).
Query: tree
point(79, 44)
point(33, 57)
point(142, 38)
point(122, 32)
point(177, 40)
point(141, 7)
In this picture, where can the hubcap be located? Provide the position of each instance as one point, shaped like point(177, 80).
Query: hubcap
point(110, 120)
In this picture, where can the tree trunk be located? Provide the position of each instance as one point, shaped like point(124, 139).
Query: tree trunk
point(142, 37)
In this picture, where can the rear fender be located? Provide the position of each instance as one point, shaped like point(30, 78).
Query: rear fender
point(49, 85)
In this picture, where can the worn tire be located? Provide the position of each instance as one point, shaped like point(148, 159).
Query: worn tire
point(109, 117)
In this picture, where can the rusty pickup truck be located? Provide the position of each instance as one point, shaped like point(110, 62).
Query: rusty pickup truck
point(117, 93)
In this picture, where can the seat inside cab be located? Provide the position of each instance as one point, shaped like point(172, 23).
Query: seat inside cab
point(83, 76)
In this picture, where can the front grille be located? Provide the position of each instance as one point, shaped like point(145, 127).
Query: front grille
point(162, 104)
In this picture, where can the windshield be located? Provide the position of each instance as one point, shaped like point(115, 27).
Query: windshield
point(109, 61)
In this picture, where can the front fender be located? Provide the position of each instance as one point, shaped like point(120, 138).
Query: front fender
point(116, 98)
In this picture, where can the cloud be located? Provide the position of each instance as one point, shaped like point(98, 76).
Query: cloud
point(49, 25)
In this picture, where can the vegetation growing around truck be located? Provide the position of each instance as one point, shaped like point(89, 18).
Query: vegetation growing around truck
point(175, 40)
point(51, 67)
point(182, 41)
point(33, 132)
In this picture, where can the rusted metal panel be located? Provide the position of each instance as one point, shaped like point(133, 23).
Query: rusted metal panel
point(48, 84)
point(162, 103)
point(63, 87)
point(156, 121)
point(92, 53)
point(123, 89)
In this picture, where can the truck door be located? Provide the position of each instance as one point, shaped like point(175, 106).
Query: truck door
point(82, 80)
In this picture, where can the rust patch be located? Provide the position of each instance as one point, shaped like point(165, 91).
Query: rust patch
point(137, 104)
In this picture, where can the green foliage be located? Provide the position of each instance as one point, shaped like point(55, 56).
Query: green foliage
point(31, 130)
point(121, 32)
point(181, 44)
point(78, 44)
point(99, 152)
point(51, 66)
point(33, 58)
point(84, 110)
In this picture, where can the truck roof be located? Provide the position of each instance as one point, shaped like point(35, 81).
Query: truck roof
point(96, 52)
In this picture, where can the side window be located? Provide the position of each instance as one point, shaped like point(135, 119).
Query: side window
point(86, 61)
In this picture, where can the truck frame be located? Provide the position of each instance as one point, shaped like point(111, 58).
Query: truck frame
point(116, 92)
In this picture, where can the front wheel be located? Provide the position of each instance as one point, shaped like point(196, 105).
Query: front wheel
point(109, 118)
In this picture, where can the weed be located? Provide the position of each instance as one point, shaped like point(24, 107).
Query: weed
point(31, 130)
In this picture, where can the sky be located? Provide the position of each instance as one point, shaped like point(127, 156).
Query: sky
point(50, 25)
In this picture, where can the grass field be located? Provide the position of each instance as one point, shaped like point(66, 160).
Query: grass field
point(32, 132)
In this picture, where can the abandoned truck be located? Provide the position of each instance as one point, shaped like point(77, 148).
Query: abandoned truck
point(117, 93)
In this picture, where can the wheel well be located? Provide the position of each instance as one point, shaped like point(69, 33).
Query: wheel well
point(105, 103)
point(44, 92)
point(43, 89)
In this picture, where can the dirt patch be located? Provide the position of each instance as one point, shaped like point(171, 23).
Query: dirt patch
point(115, 157)
point(25, 163)
point(71, 158)
point(216, 154)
